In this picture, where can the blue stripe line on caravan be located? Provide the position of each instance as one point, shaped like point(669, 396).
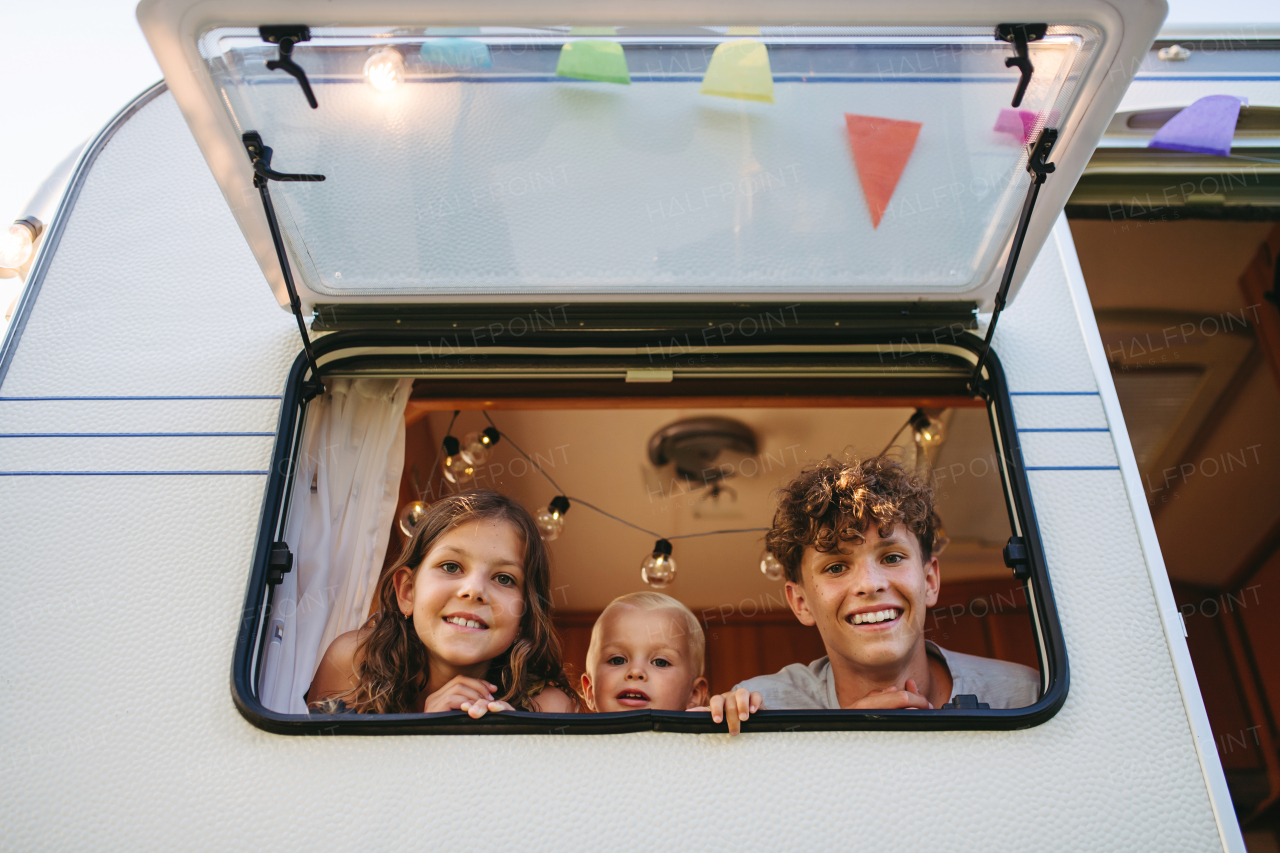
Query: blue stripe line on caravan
point(1073, 468)
point(1056, 429)
point(119, 473)
point(101, 399)
point(132, 434)
point(1053, 393)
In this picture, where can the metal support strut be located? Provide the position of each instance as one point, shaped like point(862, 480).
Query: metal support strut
point(1039, 169)
point(260, 156)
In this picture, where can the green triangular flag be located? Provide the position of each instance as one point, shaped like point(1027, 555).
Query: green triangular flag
point(593, 60)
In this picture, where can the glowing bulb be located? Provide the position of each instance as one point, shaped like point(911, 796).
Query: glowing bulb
point(550, 521)
point(384, 69)
point(550, 524)
point(16, 245)
point(475, 448)
point(411, 515)
point(458, 470)
point(658, 569)
point(927, 431)
point(771, 566)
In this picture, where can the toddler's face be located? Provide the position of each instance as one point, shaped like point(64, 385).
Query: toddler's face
point(644, 662)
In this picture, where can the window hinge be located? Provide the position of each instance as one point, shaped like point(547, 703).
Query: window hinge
point(263, 174)
point(965, 702)
point(1017, 558)
point(1018, 35)
point(279, 564)
point(287, 35)
point(1040, 168)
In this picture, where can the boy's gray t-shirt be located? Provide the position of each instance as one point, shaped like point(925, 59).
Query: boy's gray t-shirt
point(998, 683)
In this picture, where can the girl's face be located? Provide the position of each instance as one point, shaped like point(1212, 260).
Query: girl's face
point(467, 596)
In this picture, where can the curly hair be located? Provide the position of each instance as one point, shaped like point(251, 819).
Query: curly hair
point(834, 501)
point(393, 660)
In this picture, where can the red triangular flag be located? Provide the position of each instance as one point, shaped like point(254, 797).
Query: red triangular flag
point(881, 148)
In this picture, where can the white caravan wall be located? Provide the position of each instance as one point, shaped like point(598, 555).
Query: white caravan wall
point(121, 598)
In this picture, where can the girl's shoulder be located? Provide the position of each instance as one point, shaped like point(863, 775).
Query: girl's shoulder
point(338, 670)
point(553, 700)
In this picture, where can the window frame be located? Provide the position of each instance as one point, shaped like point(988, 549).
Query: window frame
point(251, 634)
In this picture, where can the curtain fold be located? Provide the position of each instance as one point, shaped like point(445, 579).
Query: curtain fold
point(340, 513)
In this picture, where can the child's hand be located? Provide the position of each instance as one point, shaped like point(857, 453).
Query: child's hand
point(894, 697)
point(735, 706)
point(478, 709)
point(464, 694)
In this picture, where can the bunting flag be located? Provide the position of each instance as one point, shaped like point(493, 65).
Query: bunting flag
point(1020, 124)
point(593, 59)
point(456, 53)
point(881, 148)
point(1205, 127)
point(739, 69)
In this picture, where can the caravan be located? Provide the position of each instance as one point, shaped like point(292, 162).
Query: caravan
point(634, 267)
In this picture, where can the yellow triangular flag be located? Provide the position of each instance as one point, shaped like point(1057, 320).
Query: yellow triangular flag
point(739, 69)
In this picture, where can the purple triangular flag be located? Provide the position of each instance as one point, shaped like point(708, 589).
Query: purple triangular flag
point(1205, 127)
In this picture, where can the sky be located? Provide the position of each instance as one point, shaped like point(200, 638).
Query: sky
point(70, 65)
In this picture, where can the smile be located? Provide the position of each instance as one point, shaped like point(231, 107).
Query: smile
point(634, 698)
point(464, 622)
point(889, 614)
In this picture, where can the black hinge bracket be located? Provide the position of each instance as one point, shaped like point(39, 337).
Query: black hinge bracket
point(965, 702)
point(263, 174)
point(279, 563)
point(1018, 35)
point(1039, 167)
point(287, 35)
point(1017, 557)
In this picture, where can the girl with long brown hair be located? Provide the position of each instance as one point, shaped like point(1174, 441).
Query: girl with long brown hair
point(463, 623)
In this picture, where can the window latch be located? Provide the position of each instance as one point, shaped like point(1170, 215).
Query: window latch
point(1018, 35)
point(1017, 557)
point(279, 564)
point(965, 702)
point(286, 36)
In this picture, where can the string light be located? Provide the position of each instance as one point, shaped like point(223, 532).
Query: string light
point(411, 515)
point(658, 569)
point(384, 69)
point(928, 432)
point(551, 520)
point(476, 445)
point(771, 567)
point(456, 469)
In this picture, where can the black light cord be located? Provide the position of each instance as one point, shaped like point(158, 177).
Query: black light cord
point(439, 452)
point(896, 434)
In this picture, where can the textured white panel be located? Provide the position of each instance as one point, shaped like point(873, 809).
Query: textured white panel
point(1038, 341)
point(1054, 411)
point(97, 416)
point(239, 453)
point(150, 281)
point(1073, 449)
point(118, 625)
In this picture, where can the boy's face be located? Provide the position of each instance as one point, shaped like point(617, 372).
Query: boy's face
point(869, 599)
point(644, 662)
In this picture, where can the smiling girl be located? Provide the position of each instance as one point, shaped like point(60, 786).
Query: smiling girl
point(463, 622)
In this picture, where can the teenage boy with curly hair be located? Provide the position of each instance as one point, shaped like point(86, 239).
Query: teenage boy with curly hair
point(858, 543)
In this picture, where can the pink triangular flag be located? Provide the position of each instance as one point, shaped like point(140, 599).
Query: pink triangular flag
point(881, 148)
point(1019, 124)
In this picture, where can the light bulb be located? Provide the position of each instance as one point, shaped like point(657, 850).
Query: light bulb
point(16, 245)
point(927, 431)
point(411, 515)
point(550, 524)
point(550, 521)
point(658, 569)
point(384, 69)
point(458, 470)
point(475, 448)
point(771, 566)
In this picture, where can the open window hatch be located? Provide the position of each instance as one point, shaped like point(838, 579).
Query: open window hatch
point(635, 273)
